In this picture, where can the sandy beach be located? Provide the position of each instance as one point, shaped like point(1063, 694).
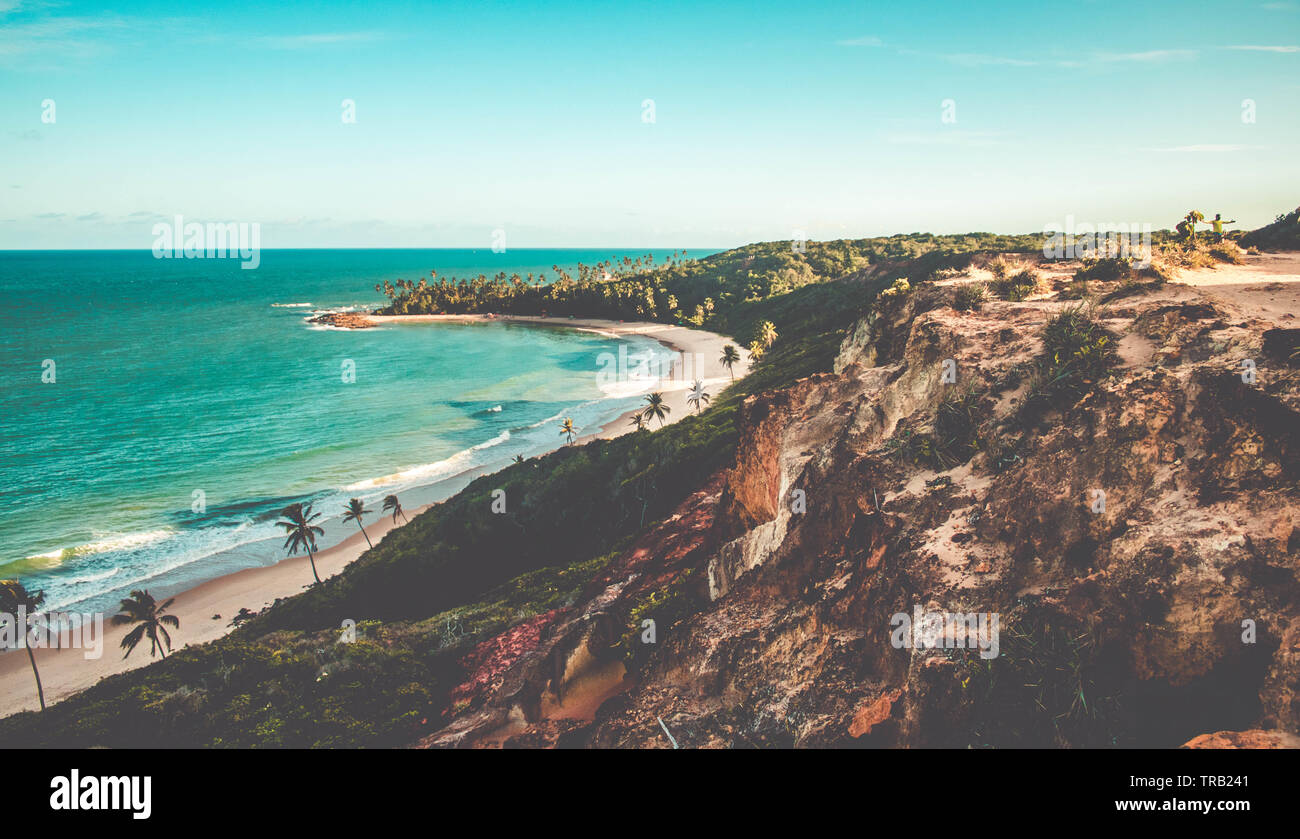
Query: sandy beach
point(205, 611)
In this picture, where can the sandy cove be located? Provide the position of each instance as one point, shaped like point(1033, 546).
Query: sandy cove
point(66, 671)
point(705, 347)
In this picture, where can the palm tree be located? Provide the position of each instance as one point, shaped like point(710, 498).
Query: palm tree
point(353, 512)
point(730, 355)
point(637, 421)
point(756, 350)
point(13, 595)
point(391, 503)
point(519, 458)
point(656, 407)
point(697, 396)
point(767, 333)
point(567, 430)
point(142, 609)
point(301, 532)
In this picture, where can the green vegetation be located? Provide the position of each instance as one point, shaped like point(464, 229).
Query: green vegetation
point(14, 596)
point(391, 504)
point(1283, 234)
point(295, 689)
point(353, 512)
point(969, 297)
point(1016, 287)
point(301, 533)
point(147, 614)
point(656, 408)
point(697, 398)
point(665, 606)
point(1048, 685)
point(1106, 270)
point(730, 355)
point(953, 438)
point(1077, 353)
point(721, 291)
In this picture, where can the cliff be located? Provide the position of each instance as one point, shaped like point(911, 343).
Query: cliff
point(1116, 483)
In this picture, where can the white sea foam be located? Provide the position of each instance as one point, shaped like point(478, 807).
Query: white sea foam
point(427, 472)
point(110, 542)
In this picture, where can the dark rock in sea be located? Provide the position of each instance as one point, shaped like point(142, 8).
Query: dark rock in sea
point(344, 320)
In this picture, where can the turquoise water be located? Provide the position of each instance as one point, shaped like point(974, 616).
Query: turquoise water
point(180, 376)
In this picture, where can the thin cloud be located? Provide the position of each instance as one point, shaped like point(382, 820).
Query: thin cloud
point(979, 59)
point(865, 41)
point(967, 59)
point(951, 137)
point(63, 35)
point(320, 39)
point(1146, 57)
point(1255, 48)
point(1211, 148)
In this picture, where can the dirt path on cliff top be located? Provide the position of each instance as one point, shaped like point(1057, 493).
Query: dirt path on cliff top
point(1265, 287)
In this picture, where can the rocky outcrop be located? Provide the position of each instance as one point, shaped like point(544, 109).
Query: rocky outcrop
point(343, 320)
point(1138, 541)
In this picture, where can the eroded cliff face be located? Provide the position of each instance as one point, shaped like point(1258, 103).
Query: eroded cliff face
point(1136, 540)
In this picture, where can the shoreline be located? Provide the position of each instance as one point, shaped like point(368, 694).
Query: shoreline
point(66, 671)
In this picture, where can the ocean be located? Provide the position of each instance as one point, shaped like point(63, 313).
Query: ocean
point(191, 401)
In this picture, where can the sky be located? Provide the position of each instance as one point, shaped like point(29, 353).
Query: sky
point(770, 119)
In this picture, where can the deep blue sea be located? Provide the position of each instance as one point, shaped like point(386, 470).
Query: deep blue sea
point(178, 381)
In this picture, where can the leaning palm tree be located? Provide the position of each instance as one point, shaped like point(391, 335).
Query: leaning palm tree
point(353, 512)
point(637, 421)
point(567, 430)
point(143, 610)
point(656, 407)
point(767, 333)
point(14, 595)
point(301, 532)
point(697, 396)
point(730, 355)
point(391, 503)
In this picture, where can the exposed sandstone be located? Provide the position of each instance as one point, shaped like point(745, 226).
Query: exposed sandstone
point(1171, 610)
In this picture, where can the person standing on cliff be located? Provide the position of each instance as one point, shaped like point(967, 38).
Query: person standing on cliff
point(1217, 224)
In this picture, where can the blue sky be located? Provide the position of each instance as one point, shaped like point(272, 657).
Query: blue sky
point(769, 118)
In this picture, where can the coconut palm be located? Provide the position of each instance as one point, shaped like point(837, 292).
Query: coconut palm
point(567, 429)
point(697, 396)
point(140, 608)
point(756, 350)
point(301, 532)
point(518, 458)
point(353, 512)
point(391, 503)
point(767, 333)
point(656, 407)
point(730, 355)
point(637, 421)
point(13, 596)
